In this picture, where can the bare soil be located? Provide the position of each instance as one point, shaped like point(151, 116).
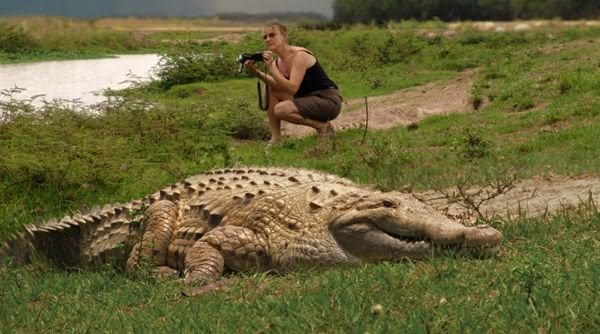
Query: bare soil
point(533, 197)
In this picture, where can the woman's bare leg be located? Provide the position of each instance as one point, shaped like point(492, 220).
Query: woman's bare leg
point(275, 97)
point(287, 111)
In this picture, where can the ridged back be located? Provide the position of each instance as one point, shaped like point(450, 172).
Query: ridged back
point(109, 232)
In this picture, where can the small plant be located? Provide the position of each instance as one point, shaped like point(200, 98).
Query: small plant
point(473, 198)
point(376, 82)
point(12, 108)
point(237, 119)
point(522, 101)
point(385, 162)
point(473, 146)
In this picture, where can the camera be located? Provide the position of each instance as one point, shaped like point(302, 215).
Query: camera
point(249, 56)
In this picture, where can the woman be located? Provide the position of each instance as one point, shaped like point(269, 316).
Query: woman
point(299, 90)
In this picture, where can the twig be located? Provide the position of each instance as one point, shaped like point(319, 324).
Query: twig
point(366, 121)
point(62, 178)
point(474, 200)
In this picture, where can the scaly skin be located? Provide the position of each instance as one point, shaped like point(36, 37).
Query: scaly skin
point(253, 219)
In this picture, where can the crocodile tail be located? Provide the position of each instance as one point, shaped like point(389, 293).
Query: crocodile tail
point(18, 248)
point(99, 236)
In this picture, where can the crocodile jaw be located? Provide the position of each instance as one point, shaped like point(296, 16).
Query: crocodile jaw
point(398, 233)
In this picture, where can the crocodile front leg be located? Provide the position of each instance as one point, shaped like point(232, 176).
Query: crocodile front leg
point(236, 247)
point(162, 220)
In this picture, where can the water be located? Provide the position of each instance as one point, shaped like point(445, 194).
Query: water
point(76, 79)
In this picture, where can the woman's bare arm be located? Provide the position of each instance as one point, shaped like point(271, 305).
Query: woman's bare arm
point(300, 62)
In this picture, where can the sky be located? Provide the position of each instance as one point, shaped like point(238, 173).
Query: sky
point(99, 8)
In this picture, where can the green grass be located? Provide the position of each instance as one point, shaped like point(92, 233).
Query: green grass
point(541, 117)
point(540, 282)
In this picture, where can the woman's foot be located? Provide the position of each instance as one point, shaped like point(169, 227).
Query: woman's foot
point(327, 131)
point(272, 143)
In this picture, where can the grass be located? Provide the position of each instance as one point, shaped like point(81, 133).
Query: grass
point(541, 117)
point(539, 283)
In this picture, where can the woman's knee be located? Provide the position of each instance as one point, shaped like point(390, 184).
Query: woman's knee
point(284, 108)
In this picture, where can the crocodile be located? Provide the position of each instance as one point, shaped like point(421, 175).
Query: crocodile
point(251, 219)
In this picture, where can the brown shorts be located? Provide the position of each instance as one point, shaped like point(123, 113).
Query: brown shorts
point(320, 105)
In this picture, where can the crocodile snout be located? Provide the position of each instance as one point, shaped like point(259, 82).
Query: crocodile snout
point(482, 236)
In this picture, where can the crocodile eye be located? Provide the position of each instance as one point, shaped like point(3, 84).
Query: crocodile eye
point(389, 204)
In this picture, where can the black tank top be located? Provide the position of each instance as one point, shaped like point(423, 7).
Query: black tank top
point(314, 79)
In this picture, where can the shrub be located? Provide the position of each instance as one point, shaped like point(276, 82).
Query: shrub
point(55, 146)
point(473, 146)
point(15, 39)
point(190, 64)
point(240, 121)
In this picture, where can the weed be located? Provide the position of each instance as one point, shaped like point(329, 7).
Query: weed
point(376, 82)
point(473, 198)
point(385, 162)
point(473, 146)
point(237, 119)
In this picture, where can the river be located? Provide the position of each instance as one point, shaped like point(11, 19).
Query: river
point(82, 80)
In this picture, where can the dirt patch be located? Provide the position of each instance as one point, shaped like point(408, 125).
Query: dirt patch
point(402, 108)
point(532, 197)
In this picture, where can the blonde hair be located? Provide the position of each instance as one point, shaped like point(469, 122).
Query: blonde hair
point(280, 27)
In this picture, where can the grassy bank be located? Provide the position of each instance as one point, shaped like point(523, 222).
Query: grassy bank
point(540, 91)
point(29, 39)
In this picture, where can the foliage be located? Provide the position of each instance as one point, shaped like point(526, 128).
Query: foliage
point(241, 122)
point(15, 39)
point(190, 64)
point(352, 11)
point(473, 146)
point(385, 162)
point(57, 149)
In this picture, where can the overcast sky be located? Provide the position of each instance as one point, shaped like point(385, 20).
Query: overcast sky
point(95, 8)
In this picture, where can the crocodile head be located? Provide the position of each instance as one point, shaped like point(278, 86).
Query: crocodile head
point(393, 226)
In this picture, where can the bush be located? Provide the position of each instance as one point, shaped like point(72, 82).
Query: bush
point(15, 39)
point(473, 146)
point(58, 147)
point(240, 121)
point(190, 64)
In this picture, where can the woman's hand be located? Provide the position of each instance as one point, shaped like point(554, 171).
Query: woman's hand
point(250, 66)
point(269, 61)
point(268, 57)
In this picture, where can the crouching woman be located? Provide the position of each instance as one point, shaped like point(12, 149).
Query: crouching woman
point(300, 91)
